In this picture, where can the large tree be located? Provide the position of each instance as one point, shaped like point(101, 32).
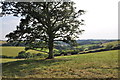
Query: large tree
point(45, 22)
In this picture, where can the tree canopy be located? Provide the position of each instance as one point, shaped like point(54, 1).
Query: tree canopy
point(44, 23)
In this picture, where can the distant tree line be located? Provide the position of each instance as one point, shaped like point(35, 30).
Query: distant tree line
point(80, 42)
point(82, 50)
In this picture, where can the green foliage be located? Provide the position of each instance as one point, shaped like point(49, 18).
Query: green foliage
point(40, 55)
point(4, 56)
point(13, 51)
point(22, 54)
point(117, 46)
point(109, 46)
point(81, 48)
point(45, 22)
point(95, 46)
point(88, 47)
point(29, 55)
point(112, 45)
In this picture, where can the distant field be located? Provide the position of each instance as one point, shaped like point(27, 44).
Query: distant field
point(85, 46)
point(13, 51)
point(112, 43)
point(93, 65)
point(9, 60)
point(2, 42)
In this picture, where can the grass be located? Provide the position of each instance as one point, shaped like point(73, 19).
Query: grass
point(2, 42)
point(9, 60)
point(92, 65)
point(86, 45)
point(13, 51)
point(111, 43)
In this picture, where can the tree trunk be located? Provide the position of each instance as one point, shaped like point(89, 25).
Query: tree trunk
point(50, 46)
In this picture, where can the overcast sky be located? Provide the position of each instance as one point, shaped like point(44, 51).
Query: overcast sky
point(101, 20)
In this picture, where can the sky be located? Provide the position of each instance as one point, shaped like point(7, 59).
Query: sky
point(101, 20)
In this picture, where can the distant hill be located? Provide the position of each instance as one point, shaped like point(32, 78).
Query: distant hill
point(80, 42)
point(93, 41)
point(95, 65)
point(2, 42)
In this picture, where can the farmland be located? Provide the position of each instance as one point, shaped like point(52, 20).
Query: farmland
point(13, 51)
point(4, 60)
point(102, 64)
point(94, 65)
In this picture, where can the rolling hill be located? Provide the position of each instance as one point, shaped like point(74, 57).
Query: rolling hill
point(94, 65)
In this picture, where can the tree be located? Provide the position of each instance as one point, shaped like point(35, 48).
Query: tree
point(44, 23)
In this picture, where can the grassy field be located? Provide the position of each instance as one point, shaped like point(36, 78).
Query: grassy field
point(4, 60)
point(2, 42)
point(13, 51)
point(92, 65)
point(111, 43)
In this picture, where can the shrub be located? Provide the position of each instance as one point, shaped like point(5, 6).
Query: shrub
point(81, 49)
point(86, 49)
point(4, 56)
point(29, 55)
point(109, 46)
point(40, 55)
point(117, 46)
point(21, 54)
point(94, 47)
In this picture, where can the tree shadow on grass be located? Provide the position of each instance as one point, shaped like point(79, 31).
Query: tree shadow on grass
point(24, 67)
point(30, 61)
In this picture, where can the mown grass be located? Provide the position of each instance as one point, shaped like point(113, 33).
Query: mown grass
point(4, 60)
point(92, 65)
point(13, 51)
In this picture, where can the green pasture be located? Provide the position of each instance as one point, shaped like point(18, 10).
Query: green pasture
point(2, 42)
point(4, 60)
point(93, 65)
point(111, 43)
point(13, 51)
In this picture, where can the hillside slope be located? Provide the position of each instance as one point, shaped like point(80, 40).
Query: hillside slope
point(13, 51)
point(93, 65)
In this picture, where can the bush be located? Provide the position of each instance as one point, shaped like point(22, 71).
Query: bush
point(4, 56)
point(109, 46)
point(29, 55)
point(117, 46)
point(94, 47)
point(81, 49)
point(40, 55)
point(21, 54)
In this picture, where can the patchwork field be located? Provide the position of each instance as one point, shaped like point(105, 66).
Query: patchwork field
point(92, 65)
point(13, 51)
point(111, 43)
point(4, 60)
point(2, 42)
